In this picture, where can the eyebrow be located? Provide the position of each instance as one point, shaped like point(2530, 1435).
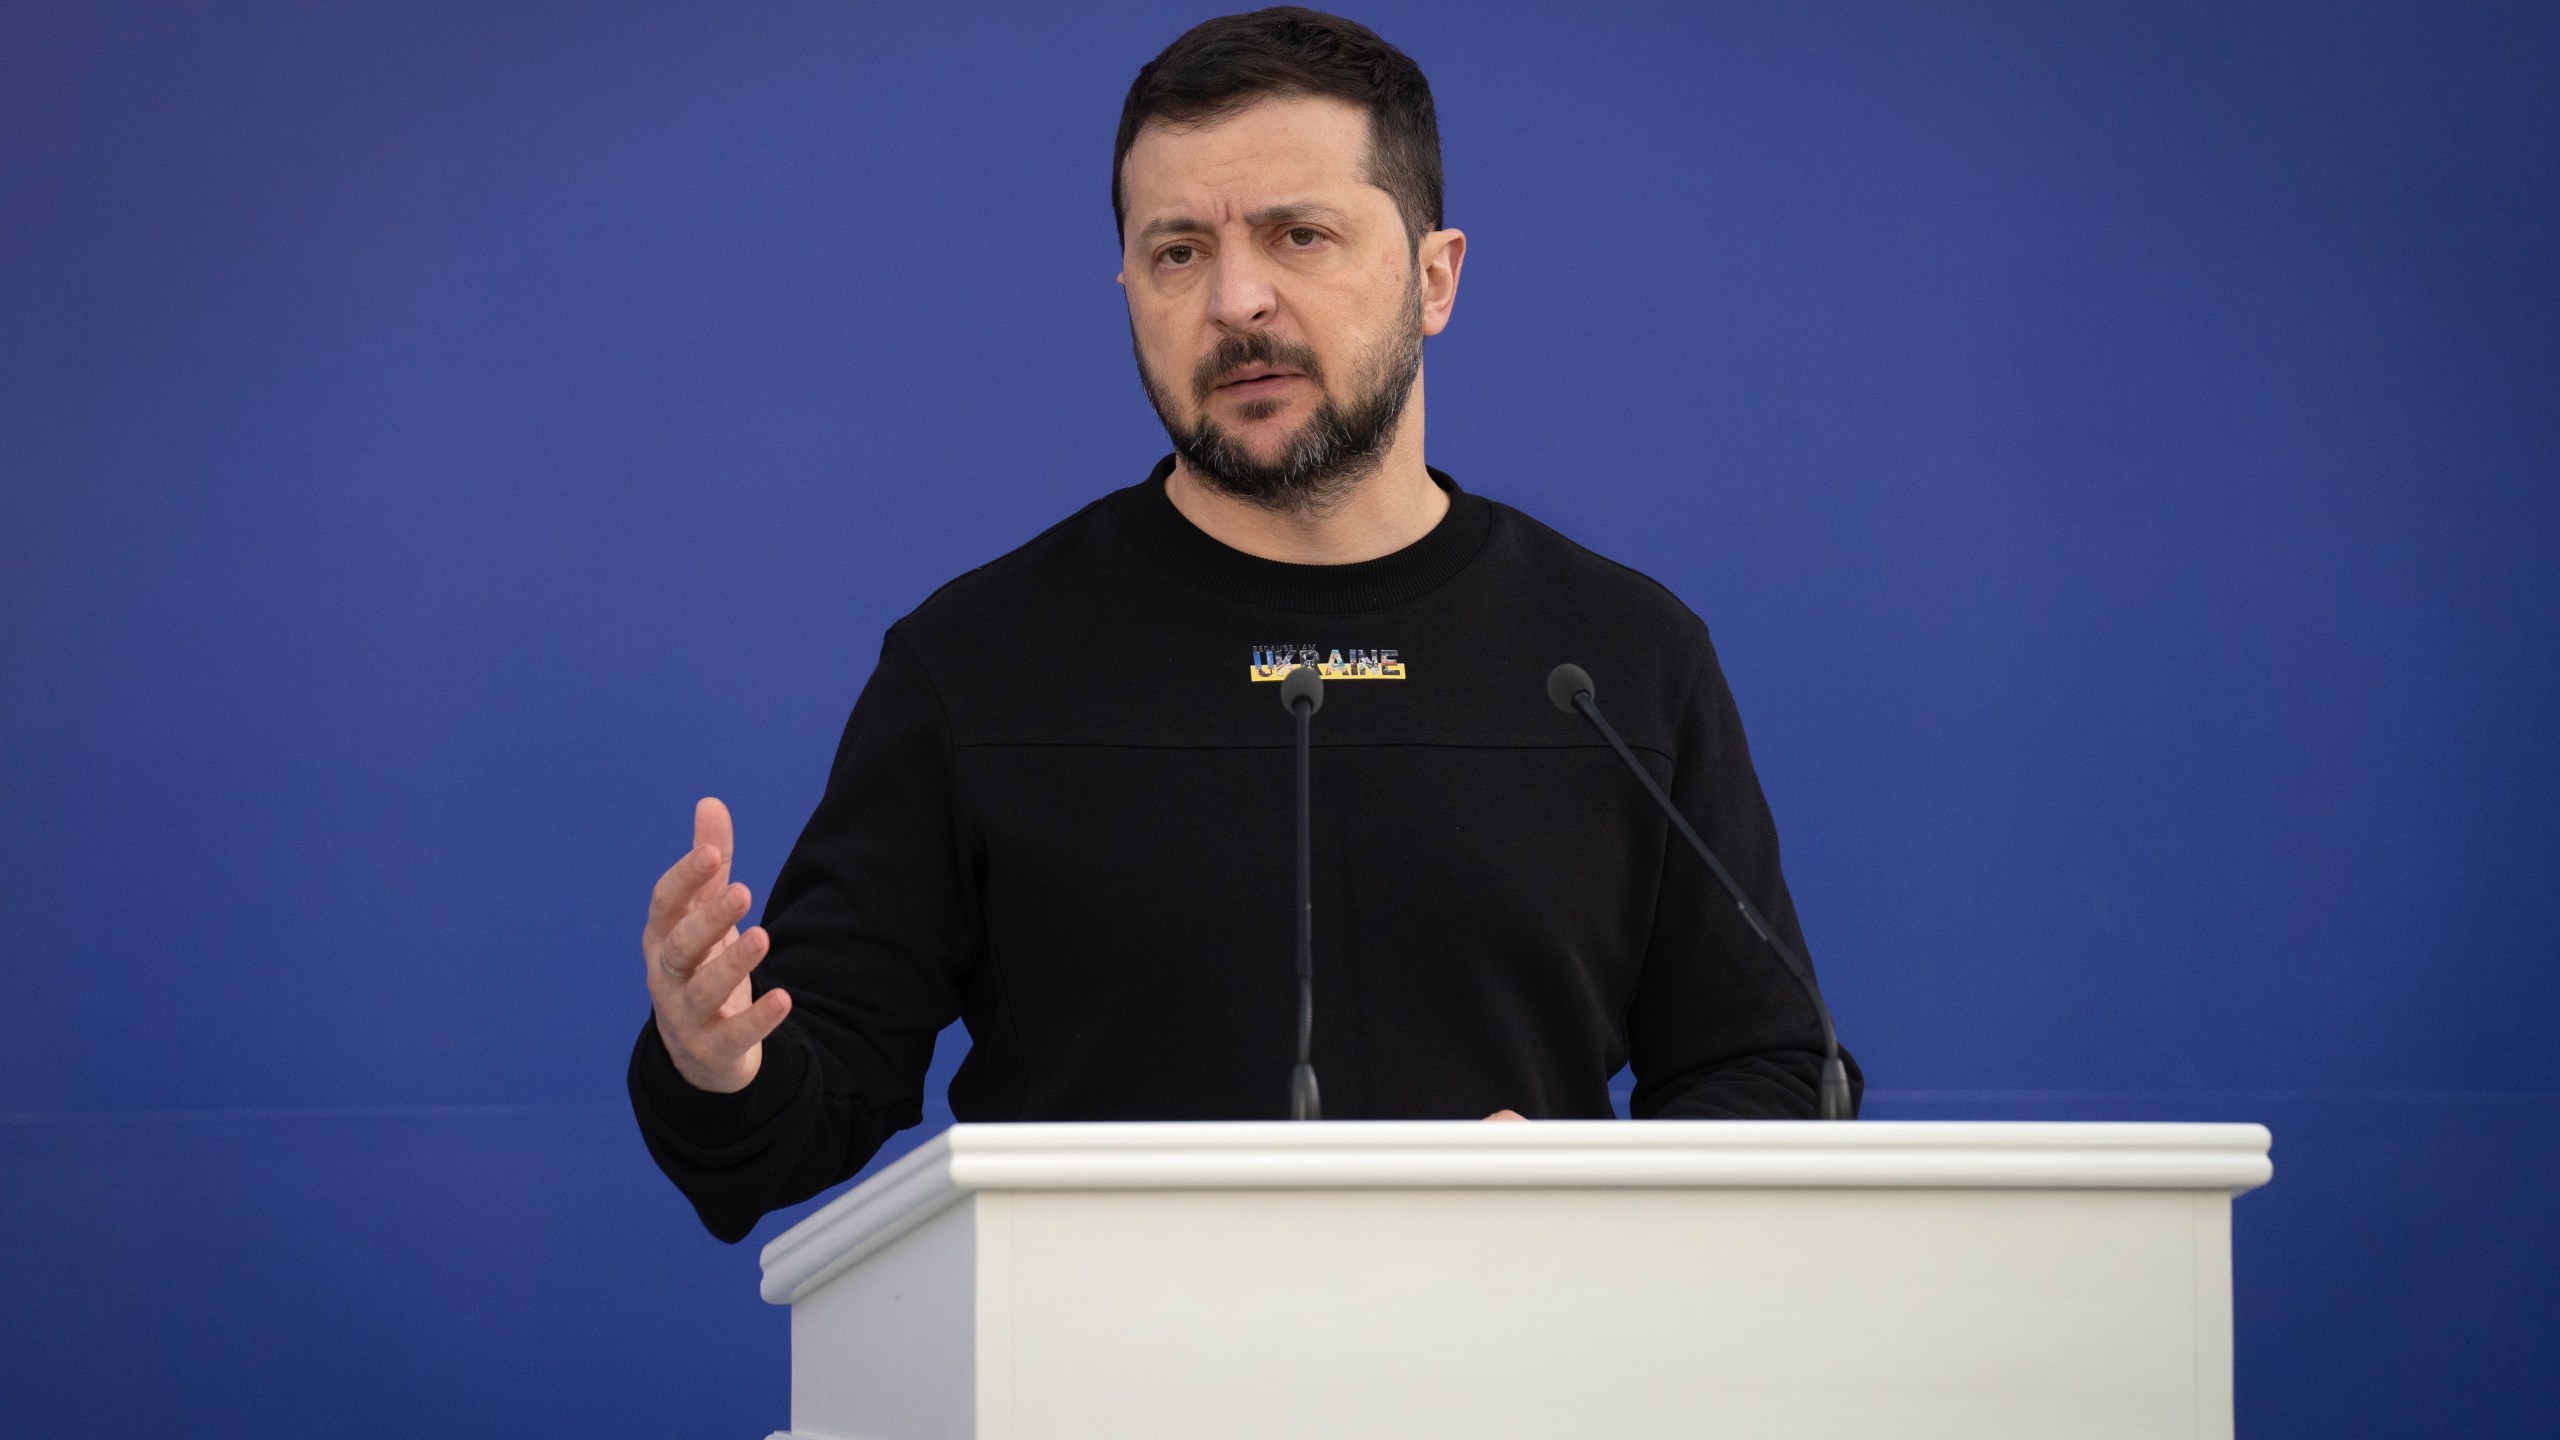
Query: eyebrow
point(1283, 213)
point(1288, 211)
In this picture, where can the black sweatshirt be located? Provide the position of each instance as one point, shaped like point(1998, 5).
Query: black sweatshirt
point(1063, 813)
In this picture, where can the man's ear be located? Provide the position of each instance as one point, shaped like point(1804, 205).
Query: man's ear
point(1439, 257)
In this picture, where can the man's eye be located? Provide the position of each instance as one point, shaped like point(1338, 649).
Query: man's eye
point(1177, 255)
point(1302, 237)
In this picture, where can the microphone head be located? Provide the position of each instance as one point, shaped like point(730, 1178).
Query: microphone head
point(1567, 681)
point(1302, 685)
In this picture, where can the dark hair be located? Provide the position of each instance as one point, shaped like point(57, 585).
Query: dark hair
point(1221, 66)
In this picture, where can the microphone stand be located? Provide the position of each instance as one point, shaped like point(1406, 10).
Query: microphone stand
point(1302, 692)
point(1569, 686)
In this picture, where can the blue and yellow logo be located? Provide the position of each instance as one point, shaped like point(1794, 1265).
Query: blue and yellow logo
point(1271, 662)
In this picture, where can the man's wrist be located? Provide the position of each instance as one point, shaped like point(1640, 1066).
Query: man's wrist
point(690, 1068)
point(712, 1119)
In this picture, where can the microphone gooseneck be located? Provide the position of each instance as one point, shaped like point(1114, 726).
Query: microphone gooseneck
point(1302, 694)
point(1571, 690)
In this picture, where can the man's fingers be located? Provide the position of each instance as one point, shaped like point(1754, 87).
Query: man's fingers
point(751, 1025)
point(714, 1056)
point(704, 868)
point(711, 983)
point(683, 980)
point(700, 930)
point(698, 960)
point(676, 889)
point(734, 1026)
point(711, 828)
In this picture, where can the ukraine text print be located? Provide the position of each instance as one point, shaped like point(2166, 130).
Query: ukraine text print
point(1270, 662)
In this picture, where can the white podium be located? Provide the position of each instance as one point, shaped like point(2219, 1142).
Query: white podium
point(1559, 1279)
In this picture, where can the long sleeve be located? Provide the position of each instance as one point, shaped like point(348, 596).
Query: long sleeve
point(1718, 1027)
point(874, 922)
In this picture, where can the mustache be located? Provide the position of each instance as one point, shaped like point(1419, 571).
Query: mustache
point(1254, 347)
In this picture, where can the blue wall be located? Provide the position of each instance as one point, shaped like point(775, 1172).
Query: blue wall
point(2116, 446)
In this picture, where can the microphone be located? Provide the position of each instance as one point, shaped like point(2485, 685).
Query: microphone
point(1302, 695)
point(1569, 686)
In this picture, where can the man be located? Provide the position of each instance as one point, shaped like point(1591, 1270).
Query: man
point(1062, 809)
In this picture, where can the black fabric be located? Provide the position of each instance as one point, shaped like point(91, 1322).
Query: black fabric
point(1062, 813)
point(1409, 574)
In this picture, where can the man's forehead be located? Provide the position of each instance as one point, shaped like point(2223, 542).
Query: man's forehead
point(1287, 151)
point(1288, 210)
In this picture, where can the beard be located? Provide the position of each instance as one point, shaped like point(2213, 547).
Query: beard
point(1333, 451)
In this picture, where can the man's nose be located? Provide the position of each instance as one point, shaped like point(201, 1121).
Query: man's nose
point(1241, 295)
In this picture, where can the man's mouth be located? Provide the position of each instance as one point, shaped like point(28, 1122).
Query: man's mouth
point(1254, 379)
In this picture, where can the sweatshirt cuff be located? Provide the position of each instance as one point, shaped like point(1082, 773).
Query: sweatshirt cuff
point(705, 1119)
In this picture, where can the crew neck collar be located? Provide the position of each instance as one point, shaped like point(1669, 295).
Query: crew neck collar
point(1168, 536)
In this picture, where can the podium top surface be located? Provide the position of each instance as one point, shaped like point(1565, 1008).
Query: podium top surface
point(1474, 1155)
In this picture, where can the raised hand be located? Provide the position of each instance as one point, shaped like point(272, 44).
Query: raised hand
point(712, 1021)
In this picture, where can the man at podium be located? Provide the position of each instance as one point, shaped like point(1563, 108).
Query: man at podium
point(1062, 811)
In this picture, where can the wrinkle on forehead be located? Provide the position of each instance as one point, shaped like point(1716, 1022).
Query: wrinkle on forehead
point(1273, 153)
point(1278, 212)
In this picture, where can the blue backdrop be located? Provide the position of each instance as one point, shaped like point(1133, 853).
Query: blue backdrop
point(2116, 447)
